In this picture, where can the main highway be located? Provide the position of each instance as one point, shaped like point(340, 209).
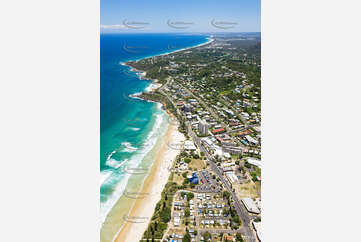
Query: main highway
point(243, 215)
point(241, 210)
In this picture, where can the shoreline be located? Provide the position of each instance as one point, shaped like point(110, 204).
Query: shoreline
point(210, 40)
point(136, 209)
point(152, 187)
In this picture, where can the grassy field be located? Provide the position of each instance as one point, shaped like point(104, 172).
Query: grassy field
point(178, 178)
point(258, 186)
point(177, 230)
point(247, 190)
point(197, 164)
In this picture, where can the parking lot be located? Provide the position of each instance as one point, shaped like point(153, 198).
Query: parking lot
point(207, 183)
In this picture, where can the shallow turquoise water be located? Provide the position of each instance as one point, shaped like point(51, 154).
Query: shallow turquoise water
point(129, 127)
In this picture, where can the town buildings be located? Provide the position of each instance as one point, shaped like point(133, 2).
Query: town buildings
point(203, 127)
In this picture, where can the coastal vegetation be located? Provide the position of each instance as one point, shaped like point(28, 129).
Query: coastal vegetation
point(221, 85)
point(167, 105)
point(162, 213)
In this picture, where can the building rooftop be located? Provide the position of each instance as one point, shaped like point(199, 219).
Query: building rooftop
point(250, 205)
point(257, 227)
point(254, 162)
point(189, 145)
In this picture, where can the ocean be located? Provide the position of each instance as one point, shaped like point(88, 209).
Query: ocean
point(129, 127)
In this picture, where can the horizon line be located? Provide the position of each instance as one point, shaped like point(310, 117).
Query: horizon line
point(179, 32)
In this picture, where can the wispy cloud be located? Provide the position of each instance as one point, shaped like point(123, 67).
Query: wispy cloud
point(113, 26)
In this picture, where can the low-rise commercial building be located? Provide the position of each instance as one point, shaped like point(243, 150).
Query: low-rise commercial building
point(250, 205)
point(254, 162)
point(257, 228)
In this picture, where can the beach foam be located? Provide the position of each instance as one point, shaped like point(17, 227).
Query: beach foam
point(153, 184)
point(113, 175)
point(121, 178)
point(118, 191)
point(128, 147)
point(114, 163)
point(104, 175)
point(210, 40)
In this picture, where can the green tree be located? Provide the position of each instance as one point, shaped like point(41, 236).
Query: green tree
point(239, 237)
point(184, 174)
point(190, 195)
point(165, 215)
point(226, 194)
point(186, 238)
point(187, 213)
point(186, 181)
point(236, 219)
point(258, 219)
point(206, 236)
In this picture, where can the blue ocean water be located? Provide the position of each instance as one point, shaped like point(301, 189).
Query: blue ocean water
point(128, 126)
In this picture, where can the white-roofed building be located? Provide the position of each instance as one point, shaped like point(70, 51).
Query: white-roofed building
point(254, 162)
point(251, 140)
point(257, 128)
point(176, 221)
point(250, 205)
point(189, 145)
point(257, 227)
point(231, 176)
point(226, 154)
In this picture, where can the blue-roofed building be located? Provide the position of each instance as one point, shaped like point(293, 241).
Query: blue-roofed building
point(194, 178)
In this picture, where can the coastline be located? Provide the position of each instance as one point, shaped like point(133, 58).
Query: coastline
point(136, 176)
point(210, 40)
point(153, 185)
point(141, 208)
point(183, 49)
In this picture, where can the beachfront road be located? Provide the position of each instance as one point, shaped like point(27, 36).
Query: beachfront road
point(242, 213)
point(241, 210)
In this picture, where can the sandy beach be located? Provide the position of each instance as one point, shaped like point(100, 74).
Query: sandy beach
point(136, 222)
point(153, 185)
point(210, 40)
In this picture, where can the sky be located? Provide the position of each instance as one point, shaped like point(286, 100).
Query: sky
point(166, 16)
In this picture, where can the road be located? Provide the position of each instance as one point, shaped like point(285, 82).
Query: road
point(242, 213)
point(228, 105)
point(214, 114)
point(241, 210)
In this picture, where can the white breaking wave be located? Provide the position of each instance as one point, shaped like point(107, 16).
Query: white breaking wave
point(159, 106)
point(118, 191)
point(128, 147)
point(104, 175)
point(136, 94)
point(135, 129)
point(114, 163)
point(111, 154)
point(150, 87)
point(135, 161)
